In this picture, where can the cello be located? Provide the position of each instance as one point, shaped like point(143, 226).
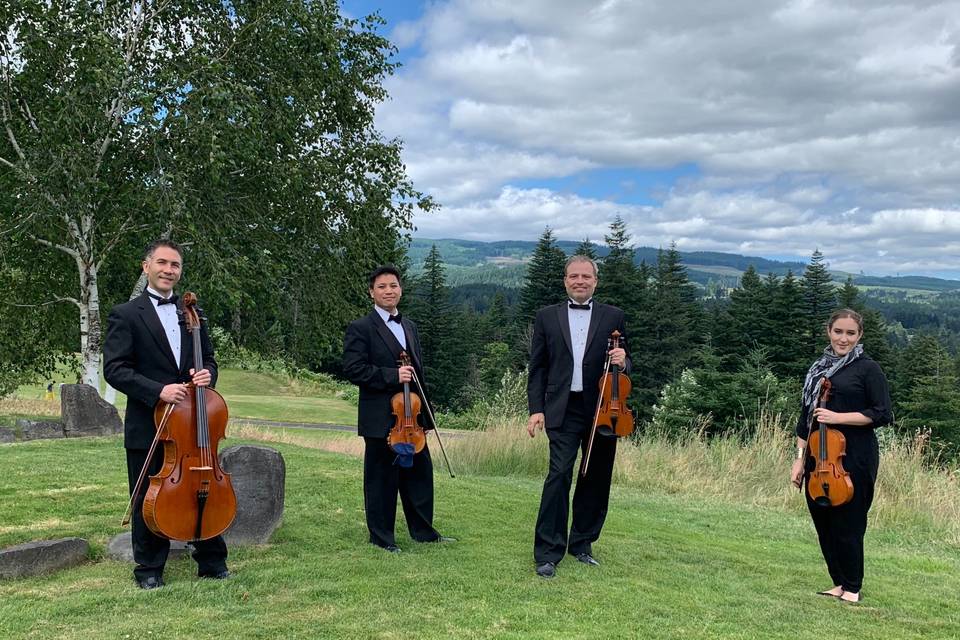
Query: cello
point(191, 498)
point(828, 483)
point(612, 417)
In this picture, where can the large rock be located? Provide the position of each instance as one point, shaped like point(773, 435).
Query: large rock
point(39, 429)
point(42, 557)
point(7, 435)
point(85, 413)
point(258, 475)
point(121, 548)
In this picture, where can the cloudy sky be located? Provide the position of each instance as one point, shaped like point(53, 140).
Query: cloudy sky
point(758, 127)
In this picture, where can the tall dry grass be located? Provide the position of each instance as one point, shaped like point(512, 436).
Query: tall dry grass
point(751, 470)
point(13, 406)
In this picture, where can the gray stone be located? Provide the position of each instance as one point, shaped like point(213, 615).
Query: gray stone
point(42, 557)
point(85, 413)
point(258, 475)
point(39, 429)
point(120, 548)
point(7, 435)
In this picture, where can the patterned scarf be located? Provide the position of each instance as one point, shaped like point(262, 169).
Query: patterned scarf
point(825, 367)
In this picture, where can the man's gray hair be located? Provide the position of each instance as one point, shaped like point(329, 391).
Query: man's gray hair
point(579, 257)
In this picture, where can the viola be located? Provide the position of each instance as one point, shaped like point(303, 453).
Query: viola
point(828, 483)
point(191, 498)
point(406, 437)
point(612, 416)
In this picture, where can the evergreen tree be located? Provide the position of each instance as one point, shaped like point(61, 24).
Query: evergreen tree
point(933, 399)
point(543, 286)
point(586, 248)
point(544, 282)
point(677, 328)
point(789, 358)
point(746, 310)
point(618, 273)
point(819, 300)
point(443, 369)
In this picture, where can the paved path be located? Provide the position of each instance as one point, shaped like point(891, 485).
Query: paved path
point(322, 425)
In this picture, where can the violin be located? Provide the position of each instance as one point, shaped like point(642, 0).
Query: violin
point(828, 484)
point(190, 498)
point(406, 437)
point(612, 417)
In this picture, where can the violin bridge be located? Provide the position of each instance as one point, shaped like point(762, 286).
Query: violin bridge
point(201, 468)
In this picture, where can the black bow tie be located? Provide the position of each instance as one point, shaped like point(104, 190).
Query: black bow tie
point(395, 318)
point(161, 301)
point(582, 307)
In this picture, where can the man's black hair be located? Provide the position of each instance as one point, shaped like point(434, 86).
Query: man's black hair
point(385, 269)
point(162, 242)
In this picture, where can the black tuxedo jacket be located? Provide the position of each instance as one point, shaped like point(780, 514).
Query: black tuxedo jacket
point(551, 359)
point(138, 361)
point(370, 356)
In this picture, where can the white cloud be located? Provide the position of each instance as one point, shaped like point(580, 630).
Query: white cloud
point(812, 123)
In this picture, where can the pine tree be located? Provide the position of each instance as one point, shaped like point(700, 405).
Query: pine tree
point(586, 248)
point(819, 300)
point(932, 400)
point(618, 273)
point(677, 328)
point(435, 324)
point(789, 358)
point(544, 282)
point(746, 309)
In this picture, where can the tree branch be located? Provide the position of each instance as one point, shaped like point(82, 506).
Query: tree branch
point(56, 300)
point(67, 250)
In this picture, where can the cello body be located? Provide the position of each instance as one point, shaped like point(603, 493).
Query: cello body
point(191, 498)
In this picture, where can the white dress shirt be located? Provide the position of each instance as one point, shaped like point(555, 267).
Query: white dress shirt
point(395, 327)
point(171, 324)
point(579, 326)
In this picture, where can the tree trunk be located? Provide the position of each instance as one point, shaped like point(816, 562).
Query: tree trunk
point(91, 331)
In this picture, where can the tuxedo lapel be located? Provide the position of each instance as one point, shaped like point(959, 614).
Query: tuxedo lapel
point(148, 315)
point(411, 347)
point(595, 319)
point(389, 339)
point(563, 318)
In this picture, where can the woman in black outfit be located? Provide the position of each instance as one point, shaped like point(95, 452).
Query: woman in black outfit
point(859, 402)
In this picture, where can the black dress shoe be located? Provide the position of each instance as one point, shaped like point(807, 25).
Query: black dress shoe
point(151, 582)
point(586, 558)
point(445, 539)
point(217, 575)
point(392, 548)
point(546, 569)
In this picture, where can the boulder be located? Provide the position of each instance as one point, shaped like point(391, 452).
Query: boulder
point(120, 548)
point(85, 413)
point(39, 429)
point(258, 475)
point(41, 557)
point(7, 435)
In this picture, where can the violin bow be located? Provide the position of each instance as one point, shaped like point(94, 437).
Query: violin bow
point(596, 415)
point(143, 472)
point(436, 428)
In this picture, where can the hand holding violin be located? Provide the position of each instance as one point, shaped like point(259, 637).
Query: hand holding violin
point(618, 357)
point(405, 373)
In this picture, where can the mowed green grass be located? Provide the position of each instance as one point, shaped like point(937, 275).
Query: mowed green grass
point(673, 567)
point(252, 394)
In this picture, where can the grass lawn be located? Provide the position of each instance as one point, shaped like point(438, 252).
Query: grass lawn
point(673, 566)
point(249, 394)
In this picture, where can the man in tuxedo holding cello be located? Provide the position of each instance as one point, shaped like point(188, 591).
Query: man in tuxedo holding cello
point(568, 352)
point(371, 352)
point(146, 355)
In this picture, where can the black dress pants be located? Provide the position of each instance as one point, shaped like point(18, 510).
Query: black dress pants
point(840, 530)
point(591, 496)
point(150, 550)
point(383, 480)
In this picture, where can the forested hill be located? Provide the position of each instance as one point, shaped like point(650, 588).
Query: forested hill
point(504, 263)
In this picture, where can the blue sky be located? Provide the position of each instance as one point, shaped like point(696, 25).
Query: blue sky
point(767, 129)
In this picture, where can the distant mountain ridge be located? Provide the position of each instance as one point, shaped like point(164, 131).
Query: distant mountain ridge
point(504, 262)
